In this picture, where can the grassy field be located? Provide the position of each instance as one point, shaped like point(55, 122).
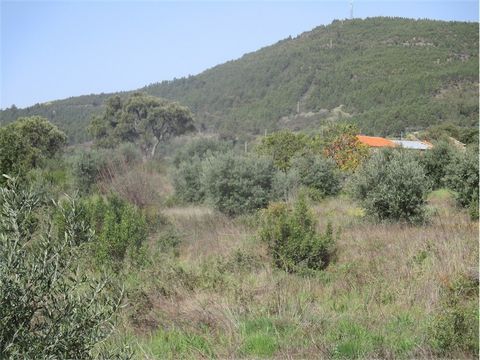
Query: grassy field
point(394, 291)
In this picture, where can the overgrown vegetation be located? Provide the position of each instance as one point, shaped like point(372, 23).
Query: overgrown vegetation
point(292, 237)
point(25, 143)
point(227, 249)
point(48, 308)
point(455, 325)
point(237, 184)
point(392, 186)
point(462, 177)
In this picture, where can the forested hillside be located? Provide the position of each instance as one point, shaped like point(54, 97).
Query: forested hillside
point(390, 74)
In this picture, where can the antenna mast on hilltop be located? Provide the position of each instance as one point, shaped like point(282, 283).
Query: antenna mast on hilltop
point(351, 9)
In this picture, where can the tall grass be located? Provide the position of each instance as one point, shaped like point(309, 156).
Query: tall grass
point(382, 298)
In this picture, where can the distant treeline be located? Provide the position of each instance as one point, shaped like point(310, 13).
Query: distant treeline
point(392, 75)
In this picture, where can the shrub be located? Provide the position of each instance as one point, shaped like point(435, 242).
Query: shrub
point(455, 325)
point(48, 309)
point(285, 184)
point(188, 162)
point(292, 237)
point(26, 143)
point(124, 228)
point(187, 181)
point(391, 185)
point(462, 177)
point(282, 146)
point(346, 150)
point(436, 161)
point(86, 170)
point(120, 229)
point(129, 153)
point(200, 149)
point(318, 173)
point(237, 184)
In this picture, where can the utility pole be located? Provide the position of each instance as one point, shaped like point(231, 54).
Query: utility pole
point(351, 9)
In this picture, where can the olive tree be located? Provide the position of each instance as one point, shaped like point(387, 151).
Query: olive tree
point(237, 184)
point(48, 309)
point(392, 185)
point(142, 119)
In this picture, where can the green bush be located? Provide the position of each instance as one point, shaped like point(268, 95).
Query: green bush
point(49, 309)
point(237, 184)
point(121, 228)
point(129, 153)
point(318, 173)
point(188, 163)
point(392, 185)
point(282, 146)
point(292, 237)
point(187, 181)
point(436, 161)
point(27, 143)
point(454, 327)
point(86, 170)
point(200, 149)
point(462, 177)
point(285, 184)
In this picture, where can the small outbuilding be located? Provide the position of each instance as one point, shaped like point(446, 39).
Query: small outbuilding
point(379, 142)
point(374, 141)
point(411, 144)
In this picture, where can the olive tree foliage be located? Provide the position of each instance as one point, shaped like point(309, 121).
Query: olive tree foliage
point(319, 174)
point(436, 161)
point(25, 143)
point(461, 176)
point(237, 184)
point(282, 146)
point(392, 185)
point(188, 162)
point(200, 149)
point(48, 309)
point(142, 119)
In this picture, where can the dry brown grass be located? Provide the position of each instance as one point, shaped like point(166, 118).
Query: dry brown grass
point(206, 233)
point(140, 184)
point(383, 273)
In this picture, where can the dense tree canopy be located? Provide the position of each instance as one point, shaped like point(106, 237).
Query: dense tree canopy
point(26, 142)
point(142, 119)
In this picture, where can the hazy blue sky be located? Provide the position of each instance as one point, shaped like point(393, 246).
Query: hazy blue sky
point(52, 50)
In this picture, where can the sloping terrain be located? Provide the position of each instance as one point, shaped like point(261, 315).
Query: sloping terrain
point(390, 74)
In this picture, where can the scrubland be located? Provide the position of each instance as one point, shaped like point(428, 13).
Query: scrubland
point(306, 246)
point(393, 290)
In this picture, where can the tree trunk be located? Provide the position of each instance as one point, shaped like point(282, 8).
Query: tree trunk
point(154, 148)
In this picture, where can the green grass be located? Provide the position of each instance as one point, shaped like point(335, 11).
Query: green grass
point(440, 194)
point(264, 336)
point(178, 344)
point(352, 340)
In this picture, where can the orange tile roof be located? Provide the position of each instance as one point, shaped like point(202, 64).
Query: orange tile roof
point(374, 141)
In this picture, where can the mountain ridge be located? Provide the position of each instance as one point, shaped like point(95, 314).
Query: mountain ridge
point(390, 75)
